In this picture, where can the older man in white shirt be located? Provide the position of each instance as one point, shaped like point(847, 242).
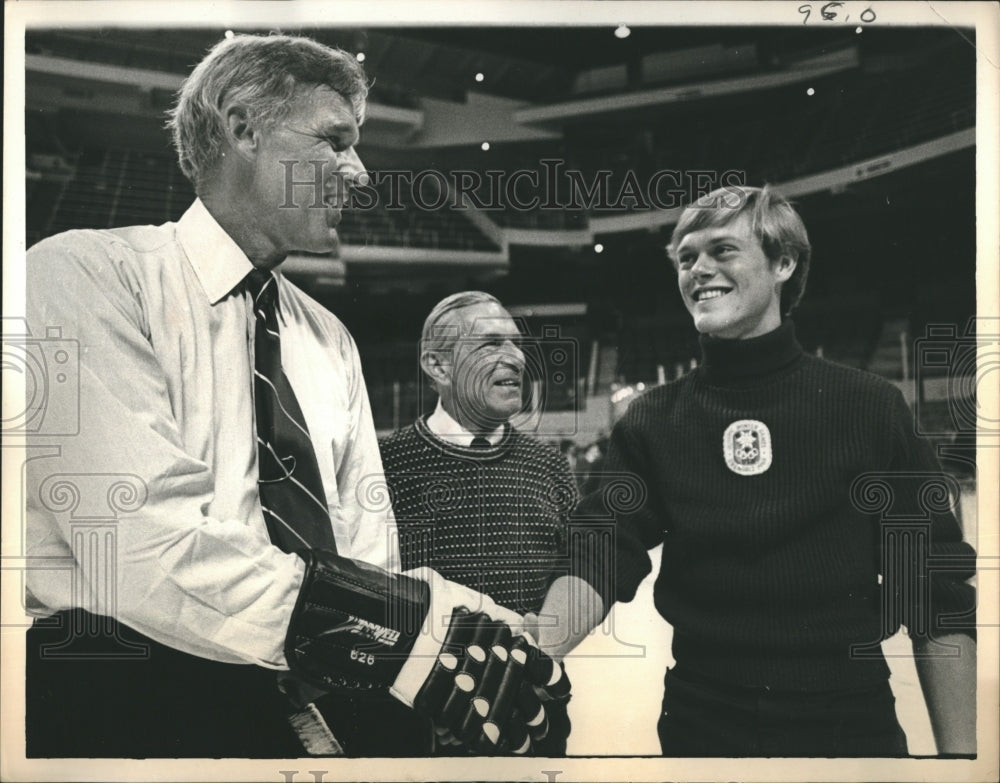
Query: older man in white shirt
point(225, 425)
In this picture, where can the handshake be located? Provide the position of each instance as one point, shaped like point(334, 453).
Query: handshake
point(449, 652)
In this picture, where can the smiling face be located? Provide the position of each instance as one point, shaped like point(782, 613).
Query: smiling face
point(728, 284)
point(481, 377)
point(302, 168)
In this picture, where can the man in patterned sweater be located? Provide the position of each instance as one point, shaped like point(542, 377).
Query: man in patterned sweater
point(477, 500)
point(769, 477)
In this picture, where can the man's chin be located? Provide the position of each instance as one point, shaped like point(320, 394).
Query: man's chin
point(707, 324)
point(326, 242)
point(334, 242)
point(502, 417)
point(493, 419)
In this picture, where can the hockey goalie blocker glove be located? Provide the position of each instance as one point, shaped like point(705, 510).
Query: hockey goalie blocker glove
point(449, 652)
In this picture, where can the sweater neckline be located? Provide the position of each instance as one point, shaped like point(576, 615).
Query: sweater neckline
point(466, 452)
point(728, 362)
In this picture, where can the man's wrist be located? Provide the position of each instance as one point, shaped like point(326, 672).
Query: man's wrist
point(572, 609)
point(354, 624)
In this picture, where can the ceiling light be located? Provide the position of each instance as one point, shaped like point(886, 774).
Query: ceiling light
point(230, 34)
point(622, 31)
point(361, 57)
point(485, 146)
point(598, 248)
point(810, 91)
point(479, 77)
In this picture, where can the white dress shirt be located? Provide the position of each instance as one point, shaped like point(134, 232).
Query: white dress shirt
point(442, 424)
point(166, 413)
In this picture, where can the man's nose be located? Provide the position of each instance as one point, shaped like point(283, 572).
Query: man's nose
point(514, 353)
point(351, 169)
point(703, 266)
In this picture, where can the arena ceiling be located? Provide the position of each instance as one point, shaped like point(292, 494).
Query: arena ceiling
point(535, 65)
point(530, 63)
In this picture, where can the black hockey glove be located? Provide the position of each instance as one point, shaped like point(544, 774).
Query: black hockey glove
point(447, 651)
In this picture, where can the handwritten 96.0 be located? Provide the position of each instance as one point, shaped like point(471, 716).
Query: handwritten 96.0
point(834, 12)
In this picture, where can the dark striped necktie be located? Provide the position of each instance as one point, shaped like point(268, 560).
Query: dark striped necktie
point(291, 488)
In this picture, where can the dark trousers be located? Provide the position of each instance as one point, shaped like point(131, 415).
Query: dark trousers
point(376, 725)
point(702, 718)
point(113, 693)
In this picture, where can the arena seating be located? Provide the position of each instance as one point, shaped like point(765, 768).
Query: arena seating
point(121, 187)
point(644, 344)
point(843, 329)
point(851, 117)
point(392, 375)
point(40, 195)
point(411, 226)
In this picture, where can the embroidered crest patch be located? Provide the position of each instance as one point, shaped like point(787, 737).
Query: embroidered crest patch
point(746, 446)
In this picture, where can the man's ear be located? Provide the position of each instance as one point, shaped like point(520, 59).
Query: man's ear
point(241, 134)
point(436, 366)
point(784, 267)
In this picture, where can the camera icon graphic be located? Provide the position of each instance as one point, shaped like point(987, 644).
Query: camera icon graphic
point(949, 367)
point(49, 368)
point(555, 371)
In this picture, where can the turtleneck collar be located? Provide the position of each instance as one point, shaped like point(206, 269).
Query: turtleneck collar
point(745, 362)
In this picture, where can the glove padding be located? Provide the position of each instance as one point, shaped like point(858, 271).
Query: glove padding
point(477, 672)
point(517, 720)
point(447, 651)
point(547, 685)
point(478, 683)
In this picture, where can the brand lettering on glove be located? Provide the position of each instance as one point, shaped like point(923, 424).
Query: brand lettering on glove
point(366, 630)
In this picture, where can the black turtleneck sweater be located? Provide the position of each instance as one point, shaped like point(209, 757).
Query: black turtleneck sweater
point(493, 519)
point(753, 475)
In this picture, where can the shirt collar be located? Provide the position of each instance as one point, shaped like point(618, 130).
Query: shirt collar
point(217, 260)
point(447, 429)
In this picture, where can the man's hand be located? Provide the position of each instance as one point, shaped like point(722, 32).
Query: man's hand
point(531, 708)
point(449, 652)
point(487, 686)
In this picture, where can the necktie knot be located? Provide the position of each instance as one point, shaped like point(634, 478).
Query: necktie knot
point(479, 442)
point(262, 287)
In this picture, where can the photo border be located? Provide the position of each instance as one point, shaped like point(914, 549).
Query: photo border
point(301, 13)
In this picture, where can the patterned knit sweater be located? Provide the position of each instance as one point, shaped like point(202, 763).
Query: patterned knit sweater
point(493, 519)
point(796, 509)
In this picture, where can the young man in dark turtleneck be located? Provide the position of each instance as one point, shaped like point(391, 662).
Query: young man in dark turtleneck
point(778, 581)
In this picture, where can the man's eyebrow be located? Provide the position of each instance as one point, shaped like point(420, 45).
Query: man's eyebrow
point(714, 240)
point(493, 334)
point(341, 129)
point(497, 335)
